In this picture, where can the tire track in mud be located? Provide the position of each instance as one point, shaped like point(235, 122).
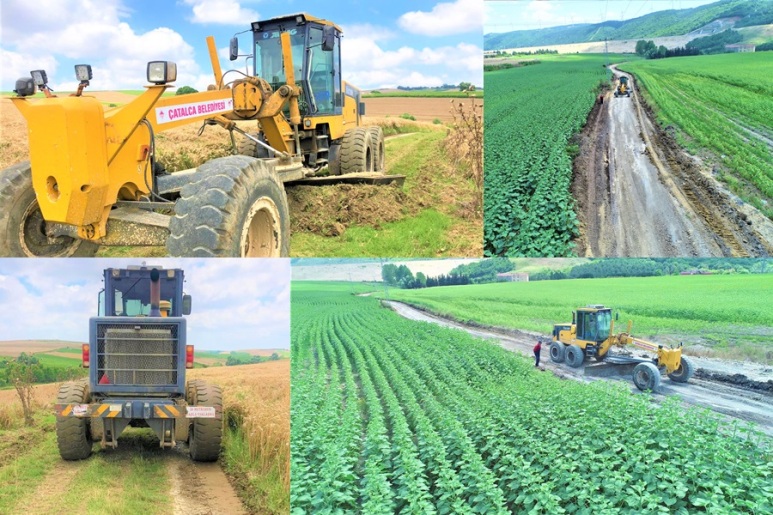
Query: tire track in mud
point(639, 194)
point(736, 403)
point(200, 488)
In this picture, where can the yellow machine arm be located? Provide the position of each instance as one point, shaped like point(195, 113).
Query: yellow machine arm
point(670, 358)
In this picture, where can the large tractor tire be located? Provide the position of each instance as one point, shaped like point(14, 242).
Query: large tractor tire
point(377, 147)
point(236, 206)
point(646, 376)
point(684, 372)
point(247, 147)
point(356, 153)
point(73, 434)
point(575, 356)
point(557, 352)
point(205, 434)
point(22, 228)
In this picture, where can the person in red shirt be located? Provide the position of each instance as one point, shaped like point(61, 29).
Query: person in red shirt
point(537, 350)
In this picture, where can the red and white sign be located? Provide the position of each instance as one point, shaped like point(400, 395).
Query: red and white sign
point(199, 412)
point(196, 109)
point(80, 410)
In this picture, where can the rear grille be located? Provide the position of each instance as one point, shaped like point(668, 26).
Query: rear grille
point(143, 355)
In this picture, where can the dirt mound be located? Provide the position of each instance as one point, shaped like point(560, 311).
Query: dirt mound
point(738, 380)
point(328, 210)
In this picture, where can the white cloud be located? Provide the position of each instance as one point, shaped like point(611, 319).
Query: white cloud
point(446, 18)
point(16, 65)
point(224, 12)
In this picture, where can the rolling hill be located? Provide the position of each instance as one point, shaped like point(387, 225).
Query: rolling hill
point(698, 21)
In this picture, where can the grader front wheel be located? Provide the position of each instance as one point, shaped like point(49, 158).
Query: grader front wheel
point(235, 207)
point(684, 372)
point(356, 153)
point(22, 227)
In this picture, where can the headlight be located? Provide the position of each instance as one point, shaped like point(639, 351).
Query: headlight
point(40, 78)
point(161, 72)
point(83, 72)
point(25, 87)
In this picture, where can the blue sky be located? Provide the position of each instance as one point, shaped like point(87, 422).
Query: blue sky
point(509, 15)
point(410, 43)
point(237, 303)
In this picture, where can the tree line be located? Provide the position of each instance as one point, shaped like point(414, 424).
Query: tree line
point(713, 44)
point(29, 366)
point(484, 271)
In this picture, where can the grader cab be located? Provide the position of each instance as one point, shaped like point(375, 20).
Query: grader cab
point(93, 177)
point(591, 335)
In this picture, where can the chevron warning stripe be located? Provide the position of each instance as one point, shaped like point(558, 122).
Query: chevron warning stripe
point(166, 411)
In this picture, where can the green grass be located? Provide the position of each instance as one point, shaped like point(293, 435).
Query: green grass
point(713, 101)
point(261, 493)
point(21, 476)
point(426, 94)
point(423, 235)
point(731, 312)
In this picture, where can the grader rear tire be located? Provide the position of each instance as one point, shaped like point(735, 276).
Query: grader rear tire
point(557, 352)
point(575, 356)
point(684, 372)
point(247, 147)
point(377, 147)
point(72, 433)
point(205, 434)
point(646, 376)
point(22, 228)
point(235, 207)
point(356, 153)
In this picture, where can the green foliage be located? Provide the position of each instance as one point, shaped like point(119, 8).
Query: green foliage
point(765, 47)
point(715, 44)
point(395, 416)
point(185, 90)
point(43, 368)
point(243, 358)
point(464, 86)
point(530, 116)
point(719, 103)
point(407, 116)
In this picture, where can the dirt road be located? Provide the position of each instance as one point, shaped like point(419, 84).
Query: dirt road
point(737, 403)
point(639, 194)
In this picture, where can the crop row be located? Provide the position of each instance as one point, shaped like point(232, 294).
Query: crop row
point(531, 113)
point(721, 103)
point(394, 416)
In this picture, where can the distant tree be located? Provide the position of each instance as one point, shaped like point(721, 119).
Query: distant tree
point(21, 374)
point(185, 90)
point(464, 86)
point(274, 356)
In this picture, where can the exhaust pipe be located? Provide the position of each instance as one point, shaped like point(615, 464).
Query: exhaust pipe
point(155, 293)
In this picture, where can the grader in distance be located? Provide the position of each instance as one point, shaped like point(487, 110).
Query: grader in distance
point(591, 335)
point(137, 358)
point(93, 178)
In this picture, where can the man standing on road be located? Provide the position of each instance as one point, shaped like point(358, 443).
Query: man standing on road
point(537, 350)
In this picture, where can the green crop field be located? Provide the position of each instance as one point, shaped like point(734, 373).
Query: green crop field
point(723, 103)
point(394, 416)
point(530, 114)
point(725, 311)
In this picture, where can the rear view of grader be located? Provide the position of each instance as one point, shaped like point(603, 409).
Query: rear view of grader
point(591, 334)
point(93, 179)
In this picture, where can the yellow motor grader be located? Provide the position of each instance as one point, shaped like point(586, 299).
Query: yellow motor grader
point(591, 334)
point(93, 179)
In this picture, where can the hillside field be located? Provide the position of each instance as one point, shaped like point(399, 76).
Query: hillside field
point(725, 312)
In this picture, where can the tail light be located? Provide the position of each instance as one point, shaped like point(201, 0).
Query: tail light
point(85, 355)
point(189, 356)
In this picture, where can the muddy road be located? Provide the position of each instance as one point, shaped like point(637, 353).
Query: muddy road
point(734, 402)
point(639, 194)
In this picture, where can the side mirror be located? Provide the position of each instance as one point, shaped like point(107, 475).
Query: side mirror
point(328, 38)
point(187, 301)
point(233, 49)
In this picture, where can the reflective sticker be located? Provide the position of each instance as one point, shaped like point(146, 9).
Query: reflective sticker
point(200, 412)
point(116, 407)
point(80, 410)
